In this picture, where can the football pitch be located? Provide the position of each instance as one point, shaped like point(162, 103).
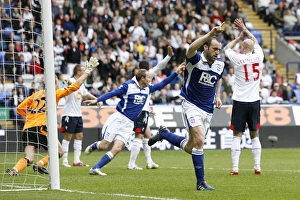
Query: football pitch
point(175, 179)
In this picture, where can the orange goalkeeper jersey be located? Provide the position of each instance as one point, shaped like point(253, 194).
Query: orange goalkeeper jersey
point(33, 108)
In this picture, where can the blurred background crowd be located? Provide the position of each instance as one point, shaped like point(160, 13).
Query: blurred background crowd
point(121, 33)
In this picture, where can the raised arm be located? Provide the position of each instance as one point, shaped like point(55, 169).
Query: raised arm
point(232, 43)
point(162, 64)
point(90, 66)
point(168, 80)
point(200, 41)
point(241, 26)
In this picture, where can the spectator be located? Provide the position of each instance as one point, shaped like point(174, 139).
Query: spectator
point(277, 18)
point(27, 15)
point(274, 98)
point(20, 84)
point(297, 79)
point(227, 88)
point(276, 87)
point(151, 49)
point(113, 101)
point(264, 93)
point(59, 63)
point(68, 25)
point(156, 31)
point(175, 94)
point(289, 20)
point(231, 75)
point(266, 79)
point(13, 101)
point(270, 64)
point(73, 56)
point(136, 30)
point(123, 53)
point(288, 95)
point(160, 77)
point(180, 25)
point(176, 39)
point(277, 77)
point(33, 88)
point(162, 98)
point(216, 18)
point(10, 58)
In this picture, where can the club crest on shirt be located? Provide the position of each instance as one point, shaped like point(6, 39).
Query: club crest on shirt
point(218, 66)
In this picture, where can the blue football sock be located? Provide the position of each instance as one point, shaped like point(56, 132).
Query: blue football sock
point(104, 160)
point(172, 138)
point(198, 161)
point(94, 145)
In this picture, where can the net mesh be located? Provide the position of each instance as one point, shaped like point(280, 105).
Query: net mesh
point(21, 69)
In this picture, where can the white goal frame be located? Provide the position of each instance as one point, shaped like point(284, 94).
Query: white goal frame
point(50, 94)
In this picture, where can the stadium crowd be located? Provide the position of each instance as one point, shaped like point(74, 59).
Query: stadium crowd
point(121, 34)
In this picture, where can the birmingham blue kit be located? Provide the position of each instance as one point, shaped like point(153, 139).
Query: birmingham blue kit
point(133, 98)
point(200, 81)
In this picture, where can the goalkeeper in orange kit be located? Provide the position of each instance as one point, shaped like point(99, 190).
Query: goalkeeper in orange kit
point(33, 111)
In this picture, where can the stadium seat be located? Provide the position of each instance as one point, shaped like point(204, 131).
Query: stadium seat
point(97, 85)
point(293, 85)
point(38, 78)
point(257, 35)
point(297, 92)
point(28, 78)
point(8, 87)
point(2, 97)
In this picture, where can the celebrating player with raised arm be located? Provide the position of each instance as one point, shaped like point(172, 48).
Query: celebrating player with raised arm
point(248, 65)
point(200, 92)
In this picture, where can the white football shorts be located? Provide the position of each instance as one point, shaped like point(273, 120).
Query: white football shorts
point(194, 116)
point(117, 127)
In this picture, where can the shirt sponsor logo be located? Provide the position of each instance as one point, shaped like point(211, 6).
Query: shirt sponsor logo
point(139, 99)
point(208, 79)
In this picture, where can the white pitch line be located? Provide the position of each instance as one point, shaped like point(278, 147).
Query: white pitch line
point(268, 170)
point(228, 169)
point(84, 192)
point(121, 195)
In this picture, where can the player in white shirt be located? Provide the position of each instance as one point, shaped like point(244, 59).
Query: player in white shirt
point(141, 128)
point(248, 66)
point(71, 122)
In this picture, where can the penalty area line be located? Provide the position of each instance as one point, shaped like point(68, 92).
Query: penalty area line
point(120, 195)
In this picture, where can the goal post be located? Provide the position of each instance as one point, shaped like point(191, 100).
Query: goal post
point(50, 95)
point(20, 37)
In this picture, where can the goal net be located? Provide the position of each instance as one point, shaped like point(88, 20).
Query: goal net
point(22, 70)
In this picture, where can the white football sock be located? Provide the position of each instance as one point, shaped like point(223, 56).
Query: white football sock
point(256, 151)
point(65, 146)
point(236, 152)
point(135, 150)
point(77, 150)
point(147, 151)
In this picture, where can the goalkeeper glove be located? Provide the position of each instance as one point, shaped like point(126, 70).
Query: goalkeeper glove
point(91, 65)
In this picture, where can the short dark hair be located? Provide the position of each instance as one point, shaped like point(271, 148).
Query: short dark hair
point(144, 65)
point(140, 74)
point(208, 42)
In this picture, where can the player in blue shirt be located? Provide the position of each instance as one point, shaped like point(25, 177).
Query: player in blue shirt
point(201, 90)
point(118, 127)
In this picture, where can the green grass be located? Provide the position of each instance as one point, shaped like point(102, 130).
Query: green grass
point(175, 178)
